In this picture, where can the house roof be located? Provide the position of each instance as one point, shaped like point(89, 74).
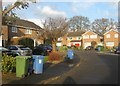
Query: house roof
point(111, 30)
point(25, 23)
point(89, 31)
point(74, 34)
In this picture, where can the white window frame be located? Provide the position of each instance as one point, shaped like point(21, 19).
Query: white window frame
point(14, 29)
point(28, 31)
point(86, 37)
point(108, 36)
point(116, 35)
point(93, 36)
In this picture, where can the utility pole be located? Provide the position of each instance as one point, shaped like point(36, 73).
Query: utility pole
point(0, 22)
point(0, 42)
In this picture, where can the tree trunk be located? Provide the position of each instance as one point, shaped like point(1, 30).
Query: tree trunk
point(54, 46)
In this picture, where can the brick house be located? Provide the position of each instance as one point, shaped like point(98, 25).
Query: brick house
point(70, 39)
point(90, 36)
point(111, 38)
point(20, 29)
point(74, 38)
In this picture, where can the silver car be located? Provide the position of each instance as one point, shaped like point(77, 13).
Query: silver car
point(20, 50)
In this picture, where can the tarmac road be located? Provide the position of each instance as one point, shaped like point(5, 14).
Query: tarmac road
point(94, 68)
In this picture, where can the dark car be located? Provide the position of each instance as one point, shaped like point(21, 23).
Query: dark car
point(20, 50)
point(89, 48)
point(42, 49)
point(117, 50)
point(6, 51)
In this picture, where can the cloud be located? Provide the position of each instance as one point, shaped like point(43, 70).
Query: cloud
point(106, 13)
point(48, 11)
point(81, 6)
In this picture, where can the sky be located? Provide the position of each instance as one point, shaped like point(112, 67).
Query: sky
point(36, 12)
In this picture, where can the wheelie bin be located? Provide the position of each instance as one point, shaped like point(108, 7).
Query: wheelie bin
point(38, 64)
point(99, 49)
point(70, 54)
point(22, 64)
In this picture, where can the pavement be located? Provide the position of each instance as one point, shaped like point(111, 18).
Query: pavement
point(51, 72)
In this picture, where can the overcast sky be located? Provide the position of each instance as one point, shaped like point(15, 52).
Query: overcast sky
point(89, 8)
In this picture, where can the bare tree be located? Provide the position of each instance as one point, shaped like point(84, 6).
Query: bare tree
point(100, 26)
point(8, 13)
point(18, 4)
point(54, 28)
point(80, 23)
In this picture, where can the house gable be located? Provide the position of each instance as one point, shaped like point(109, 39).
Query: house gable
point(111, 38)
point(110, 31)
point(89, 32)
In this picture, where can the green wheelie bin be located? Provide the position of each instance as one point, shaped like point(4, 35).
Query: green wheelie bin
point(22, 64)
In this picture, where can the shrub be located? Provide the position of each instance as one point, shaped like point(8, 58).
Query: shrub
point(8, 63)
point(74, 47)
point(107, 49)
point(102, 48)
point(80, 48)
point(54, 56)
point(63, 48)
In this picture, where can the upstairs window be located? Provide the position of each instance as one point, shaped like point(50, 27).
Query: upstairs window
point(108, 36)
point(93, 36)
point(78, 38)
point(28, 31)
point(14, 29)
point(116, 35)
point(86, 37)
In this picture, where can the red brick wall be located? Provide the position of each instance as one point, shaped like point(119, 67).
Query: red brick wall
point(112, 38)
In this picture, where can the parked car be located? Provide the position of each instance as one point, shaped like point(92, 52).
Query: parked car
point(117, 50)
point(42, 49)
point(6, 51)
point(89, 48)
point(20, 50)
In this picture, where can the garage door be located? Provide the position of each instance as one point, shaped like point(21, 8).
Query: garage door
point(86, 44)
point(58, 44)
point(110, 44)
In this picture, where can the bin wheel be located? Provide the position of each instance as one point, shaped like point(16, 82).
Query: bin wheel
point(25, 75)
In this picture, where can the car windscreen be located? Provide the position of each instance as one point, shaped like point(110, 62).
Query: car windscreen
point(24, 48)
